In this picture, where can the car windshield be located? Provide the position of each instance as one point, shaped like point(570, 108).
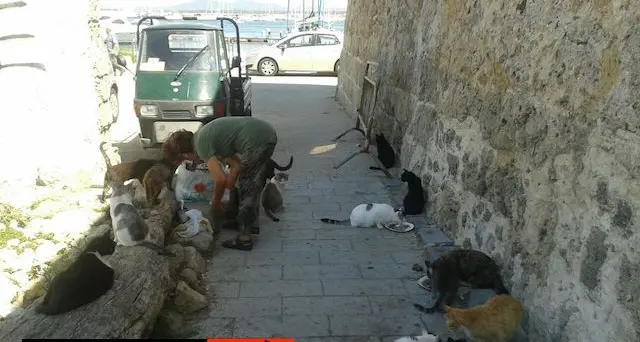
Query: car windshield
point(169, 50)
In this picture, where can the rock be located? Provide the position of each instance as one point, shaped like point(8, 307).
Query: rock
point(46, 251)
point(190, 277)
point(203, 242)
point(169, 324)
point(193, 260)
point(188, 300)
point(176, 262)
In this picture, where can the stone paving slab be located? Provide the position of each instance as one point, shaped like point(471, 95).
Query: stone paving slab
point(304, 278)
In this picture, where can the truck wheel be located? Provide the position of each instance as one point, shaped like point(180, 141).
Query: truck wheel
point(267, 67)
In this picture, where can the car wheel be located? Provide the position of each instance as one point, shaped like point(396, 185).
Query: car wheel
point(114, 104)
point(336, 67)
point(268, 67)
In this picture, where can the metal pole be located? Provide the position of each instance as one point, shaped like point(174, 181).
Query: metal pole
point(320, 10)
point(288, 5)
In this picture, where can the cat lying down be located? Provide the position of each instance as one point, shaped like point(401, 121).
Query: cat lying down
point(85, 280)
point(370, 215)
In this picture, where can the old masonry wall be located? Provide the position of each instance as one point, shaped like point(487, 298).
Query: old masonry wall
point(523, 120)
point(55, 82)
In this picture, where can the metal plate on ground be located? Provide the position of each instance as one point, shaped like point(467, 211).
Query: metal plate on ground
point(162, 129)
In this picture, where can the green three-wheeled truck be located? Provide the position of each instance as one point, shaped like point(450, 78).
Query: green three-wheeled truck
point(184, 78)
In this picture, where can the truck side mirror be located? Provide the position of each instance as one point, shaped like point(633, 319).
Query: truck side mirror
point(235, 62)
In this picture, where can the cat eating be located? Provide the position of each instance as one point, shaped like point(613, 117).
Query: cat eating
point(129, 228)
point(386, 155)
point(497, 320)
point(272, 166)
point(470, 266)
point(271, 196)
point(369, 215)
point(413, 203)
point(86, 279)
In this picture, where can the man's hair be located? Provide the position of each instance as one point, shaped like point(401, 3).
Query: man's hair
point(177, 143)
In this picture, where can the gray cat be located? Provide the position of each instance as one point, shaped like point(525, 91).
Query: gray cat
point(129, 228)
point(271, 197)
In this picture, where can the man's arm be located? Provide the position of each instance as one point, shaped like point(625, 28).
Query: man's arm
point(234, 169)
point(219, 178)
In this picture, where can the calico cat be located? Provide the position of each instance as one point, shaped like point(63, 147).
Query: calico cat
point(386, 155)
point(157, 177)
point(413, 203)
point(370, 215)
point(129, 228)
point(497, 320)
point(85, 280)
point(271, 196)
point(272, 166)
point(467, 265)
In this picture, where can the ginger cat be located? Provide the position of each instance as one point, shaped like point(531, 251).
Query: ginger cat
point(497, 320)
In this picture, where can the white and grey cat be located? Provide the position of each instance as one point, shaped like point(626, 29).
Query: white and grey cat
point(425, 337)
point(370, 215)
point(129, 228)
point(271, 196)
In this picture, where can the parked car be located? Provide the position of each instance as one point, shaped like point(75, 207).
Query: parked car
point(309, 51)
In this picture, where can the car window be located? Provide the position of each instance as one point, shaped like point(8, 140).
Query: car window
point(299, 41)
point(327, 39)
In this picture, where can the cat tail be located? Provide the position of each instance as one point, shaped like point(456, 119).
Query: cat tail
point(160, 250)
point(284, 168)
point(334, 221)
point(272, 215)
point(375, 168)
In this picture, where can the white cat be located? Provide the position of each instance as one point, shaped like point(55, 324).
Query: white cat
point(370, 215)
point(425, 337)
point(129, 228)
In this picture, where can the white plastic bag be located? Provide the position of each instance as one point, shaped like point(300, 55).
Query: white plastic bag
point(193, 186)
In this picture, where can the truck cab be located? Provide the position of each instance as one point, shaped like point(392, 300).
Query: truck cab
point(184, 78)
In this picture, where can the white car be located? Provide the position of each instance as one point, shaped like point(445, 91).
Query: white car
point(309, 51)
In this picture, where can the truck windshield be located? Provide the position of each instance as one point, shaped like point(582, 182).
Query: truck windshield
point(169, 50)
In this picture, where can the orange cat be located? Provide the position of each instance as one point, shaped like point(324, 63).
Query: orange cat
point(497, 320)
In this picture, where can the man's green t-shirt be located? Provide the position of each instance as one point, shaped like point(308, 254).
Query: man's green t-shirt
point(227, 136)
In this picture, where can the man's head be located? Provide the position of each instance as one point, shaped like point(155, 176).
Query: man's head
point(179, 146)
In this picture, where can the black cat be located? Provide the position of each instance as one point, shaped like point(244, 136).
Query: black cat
point(86, 279)
point(385, 153)
point(414, 201)
point(467, 265)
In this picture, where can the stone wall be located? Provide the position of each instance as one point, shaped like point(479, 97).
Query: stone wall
point(55, 81)
point(523, 119)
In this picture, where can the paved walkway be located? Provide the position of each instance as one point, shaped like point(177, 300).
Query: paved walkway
point(306, 279)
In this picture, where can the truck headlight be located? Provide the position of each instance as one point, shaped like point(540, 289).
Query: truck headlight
point(203, 111)
point(148, 110)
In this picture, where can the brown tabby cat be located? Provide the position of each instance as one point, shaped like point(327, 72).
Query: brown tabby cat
point(157, 177)
point(466, 265)
point(497, 320)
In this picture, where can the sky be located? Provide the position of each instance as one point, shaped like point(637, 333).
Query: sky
point(329, 4)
